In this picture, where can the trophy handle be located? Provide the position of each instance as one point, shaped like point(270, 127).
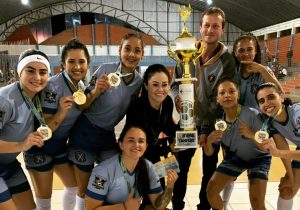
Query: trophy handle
point(199, 52)
point(173, 55)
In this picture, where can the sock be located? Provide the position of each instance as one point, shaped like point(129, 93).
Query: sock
point(69, 198)
point(226, 194)
point(284, 204)
point(79, 203)
point(43, 204)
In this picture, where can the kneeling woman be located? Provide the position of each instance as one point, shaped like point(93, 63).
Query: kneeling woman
point(123, 180)
point(242, 152)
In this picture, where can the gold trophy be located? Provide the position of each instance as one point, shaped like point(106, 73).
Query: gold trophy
point(185, 53)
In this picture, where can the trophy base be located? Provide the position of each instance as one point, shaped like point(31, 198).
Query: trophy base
point(186, 139)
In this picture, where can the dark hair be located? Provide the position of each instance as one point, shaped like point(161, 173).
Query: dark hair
point(286, 102)
point(214, 11)
point(73, 44)
point(32, 52)
point(225, 79)
point(141, 170)
point(250, 37)
point(150, 71)
point(132, 35)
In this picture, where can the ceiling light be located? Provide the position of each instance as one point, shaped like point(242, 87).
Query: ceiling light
point(25, 2)
point(209, 2)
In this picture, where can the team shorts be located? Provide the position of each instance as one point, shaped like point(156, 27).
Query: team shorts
point(258, 169)
point(12, 181)
point(85, 160)
point(42, 162)
point(296, 163)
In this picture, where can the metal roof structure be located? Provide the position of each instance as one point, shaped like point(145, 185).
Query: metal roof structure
point(250, 15)
point(247, 15)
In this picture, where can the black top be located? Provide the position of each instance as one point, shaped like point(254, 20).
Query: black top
point(140, 113)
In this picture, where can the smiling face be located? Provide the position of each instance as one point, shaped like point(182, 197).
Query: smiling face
point(134, 144)
point(34, 78)
point(211, 29)
point(131, 53)
point(245, 50)
point(227, 95)
point(269, 101)
point(158, 88)
point(76, 65)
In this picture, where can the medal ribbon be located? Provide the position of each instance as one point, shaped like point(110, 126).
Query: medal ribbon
point(36, 111)
point(120, 74)
point(266, 123)
point(80, 86)
point(125, 175)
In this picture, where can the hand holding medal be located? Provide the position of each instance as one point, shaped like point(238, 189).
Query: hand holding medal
point(79, 97)
point(220, 125)
point(114, 79)
point(45, 131)
point(261, 135)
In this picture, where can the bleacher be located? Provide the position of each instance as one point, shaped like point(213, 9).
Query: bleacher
point(291, 83)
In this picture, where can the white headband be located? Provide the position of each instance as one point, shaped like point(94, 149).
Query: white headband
point(32, 58)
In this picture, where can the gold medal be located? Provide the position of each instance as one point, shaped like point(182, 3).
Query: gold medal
point(79, 97)
point(45, 131)
point(220, 125)
point(261, 135)
point(114, 79)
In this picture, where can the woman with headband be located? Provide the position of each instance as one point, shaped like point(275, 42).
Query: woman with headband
point(60, 100)
point(20, 116)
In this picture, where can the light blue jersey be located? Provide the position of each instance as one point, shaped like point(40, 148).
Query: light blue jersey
point(107, 182)
point(240, 146)
point(248, 87)
point(56, 88)
point(16, 119)
point(291, 128)
point(110, 107)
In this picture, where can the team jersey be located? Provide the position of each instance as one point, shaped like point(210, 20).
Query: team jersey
point(110, 107)
point(107, 182)
point(248, 87)
point(57, 87)
point(16, 118)
point(290, 129)
point(238, 145)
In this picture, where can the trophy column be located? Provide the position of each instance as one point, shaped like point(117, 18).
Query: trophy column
point(185, 53)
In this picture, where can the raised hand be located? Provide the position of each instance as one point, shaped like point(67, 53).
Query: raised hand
point(66, 103)
point(102, 84)
point(171, 178)
point(33, 139)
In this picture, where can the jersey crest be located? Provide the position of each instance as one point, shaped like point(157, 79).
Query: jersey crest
point(99, 182)
point(50, 97)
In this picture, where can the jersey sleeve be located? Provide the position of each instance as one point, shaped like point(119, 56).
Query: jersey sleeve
point(98, 184)
point(5, 112)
